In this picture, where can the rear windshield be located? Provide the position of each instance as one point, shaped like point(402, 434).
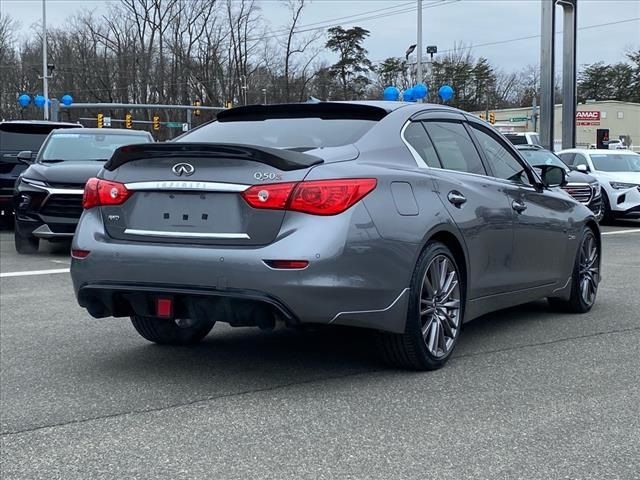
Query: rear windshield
point(85, 146)
point(298, 133)
point(517, 139)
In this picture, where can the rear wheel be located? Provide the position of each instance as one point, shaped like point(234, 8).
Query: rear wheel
point(171, 332)
point(25, 244)
point(434, 317)
point(585, 278)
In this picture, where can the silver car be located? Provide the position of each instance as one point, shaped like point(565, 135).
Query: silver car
point(408, 219)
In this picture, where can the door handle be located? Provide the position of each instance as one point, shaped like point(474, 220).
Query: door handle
point(518, 206)
point(456, 198)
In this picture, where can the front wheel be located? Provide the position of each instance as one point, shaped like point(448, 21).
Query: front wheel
point(25, 244)
point(171, 332)
point(435, 314)
point(585, 277)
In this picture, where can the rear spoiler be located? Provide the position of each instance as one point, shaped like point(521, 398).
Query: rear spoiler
point(275, 157)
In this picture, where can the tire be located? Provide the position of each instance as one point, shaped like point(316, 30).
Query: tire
point(607, 215)
point(167, 332)
point(586, 270)
point(25, 244)
point(431, 350)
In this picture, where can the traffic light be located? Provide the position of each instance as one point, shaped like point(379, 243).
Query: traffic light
point(481, 116)
point(156, 122)
point(128, 121)
point(492, 118)
point(228, 105)
point(196, 112)
point(100, 120)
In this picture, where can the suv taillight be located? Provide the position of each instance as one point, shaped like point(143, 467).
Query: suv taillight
point(99, 193)
point(317, 197)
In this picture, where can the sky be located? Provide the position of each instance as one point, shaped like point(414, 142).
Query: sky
point(473, 23)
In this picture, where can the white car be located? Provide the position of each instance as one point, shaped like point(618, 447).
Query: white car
point(618, 173)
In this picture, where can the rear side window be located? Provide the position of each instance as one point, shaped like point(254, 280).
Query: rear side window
point(455, 147)
point(517, 139)
point(417, 137)
point(299, 133)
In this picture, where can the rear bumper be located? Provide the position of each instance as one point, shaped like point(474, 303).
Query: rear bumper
point(354, 277)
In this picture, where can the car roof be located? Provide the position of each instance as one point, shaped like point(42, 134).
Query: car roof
point(105, 131)
point(38, 122)
point(591, 151)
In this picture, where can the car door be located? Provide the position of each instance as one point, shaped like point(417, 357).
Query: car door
point(475, 202)
point(541, 216)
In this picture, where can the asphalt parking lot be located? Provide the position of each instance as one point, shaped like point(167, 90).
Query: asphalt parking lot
point(529, 394)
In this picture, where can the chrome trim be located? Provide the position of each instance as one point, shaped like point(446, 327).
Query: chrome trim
point(34, 183)
point(371, 311)
point(158, 233)
point(416, 156)
point(52, 190)
point(43, 231)
point(187, 186)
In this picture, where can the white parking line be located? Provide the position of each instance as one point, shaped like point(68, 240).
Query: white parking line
point(34, 272)
point(620, 232)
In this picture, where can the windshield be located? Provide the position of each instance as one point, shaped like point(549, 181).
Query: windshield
point(540, 158)
point(612, 162)
point(301, 133)
point(85, 146)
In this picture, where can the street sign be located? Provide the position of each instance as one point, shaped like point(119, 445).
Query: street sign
point(106, 121)
point(174, 124)
point(185, 127)
point(519, 119)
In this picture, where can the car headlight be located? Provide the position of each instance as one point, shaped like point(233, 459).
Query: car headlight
point(597, 188)
point(622, 186)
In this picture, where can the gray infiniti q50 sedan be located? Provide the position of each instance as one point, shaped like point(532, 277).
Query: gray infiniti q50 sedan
point(408, 219)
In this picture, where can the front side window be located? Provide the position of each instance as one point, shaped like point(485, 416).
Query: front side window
point(503, 163)
point(455, 147)
point(580, 160)
point(568, 158)
point(417, 137)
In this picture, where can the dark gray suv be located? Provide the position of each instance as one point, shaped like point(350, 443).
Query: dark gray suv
point(408, 219)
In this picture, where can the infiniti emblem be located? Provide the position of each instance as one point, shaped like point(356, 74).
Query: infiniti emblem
point(185, 169)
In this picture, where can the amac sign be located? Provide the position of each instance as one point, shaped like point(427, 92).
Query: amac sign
point(588, 115)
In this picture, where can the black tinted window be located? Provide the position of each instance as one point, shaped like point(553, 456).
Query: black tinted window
point(21, 141)
point(455, 148)
point(517, 139)
point(417, 137)
point(302, 133)
point(503, 163)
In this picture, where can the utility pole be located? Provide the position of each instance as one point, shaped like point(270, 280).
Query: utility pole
point(45, 76)
point(419, 45)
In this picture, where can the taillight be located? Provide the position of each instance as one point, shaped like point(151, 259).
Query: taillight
point(273, 196)
point(317, 197)
point(329, 197)
point(99, 193)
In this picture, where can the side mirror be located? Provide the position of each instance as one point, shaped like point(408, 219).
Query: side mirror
point(554, 176)
point(582, 168)
point(25, 157)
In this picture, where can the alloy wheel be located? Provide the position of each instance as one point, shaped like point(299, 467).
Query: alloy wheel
point(589, 269)
point(440, 306)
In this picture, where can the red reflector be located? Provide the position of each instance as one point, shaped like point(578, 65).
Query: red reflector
point(99, 192)
point(164, 307)
point(79, 254)
point(330, 197)
point(287, 264)
point(273, 196)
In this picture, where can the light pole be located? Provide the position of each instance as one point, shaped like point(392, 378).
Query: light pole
point(264, 92)
point(419, 44)
point(45, 76)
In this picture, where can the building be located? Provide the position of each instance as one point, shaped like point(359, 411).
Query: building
point(622, 119)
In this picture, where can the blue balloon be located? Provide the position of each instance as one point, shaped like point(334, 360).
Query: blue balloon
point(67, 99)
point(446, 93)
point(420, 90)
point(24, 100)
point(39, 101)
point(408, 95)
point(391, 94)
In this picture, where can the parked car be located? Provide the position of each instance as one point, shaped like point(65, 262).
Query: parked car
point(523, 138)
point(618, 173)
point(584, 188)
point(48, 195)
point(16, 136)
point(405, 218)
